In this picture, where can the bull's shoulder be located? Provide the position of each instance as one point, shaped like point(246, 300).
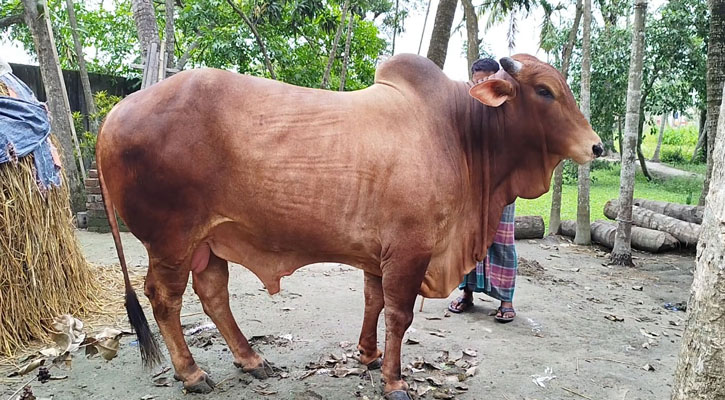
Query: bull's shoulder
point(410, 70)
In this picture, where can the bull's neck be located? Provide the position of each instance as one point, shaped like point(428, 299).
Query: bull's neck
point(499, 169)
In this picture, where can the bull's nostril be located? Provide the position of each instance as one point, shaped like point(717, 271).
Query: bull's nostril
point(598, 149)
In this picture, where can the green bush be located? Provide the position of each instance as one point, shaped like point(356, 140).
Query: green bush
point(674, 156)
point(87, 140)
point(685, 135)
point(571, 170)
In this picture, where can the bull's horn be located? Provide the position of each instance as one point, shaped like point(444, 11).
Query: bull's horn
point(510, 65)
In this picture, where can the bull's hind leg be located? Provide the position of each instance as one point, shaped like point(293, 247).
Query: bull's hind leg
point(402, 277)
point(165, 287)
point(211, 285)
point(368, 344)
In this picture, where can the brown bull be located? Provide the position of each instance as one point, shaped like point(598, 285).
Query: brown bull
point(405, 180)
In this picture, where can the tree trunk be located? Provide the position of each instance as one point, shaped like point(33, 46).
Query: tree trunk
point(622, 251)
point(566, 54)
point(146, 27)
point(346, 56)
point(619, 135)
point(472, 53)
point(333, 52)
point(700, 372)
point(14, 19)
point(583, 219)
point(91, 110)
point(640, 139)
point(257, 37)
point(555, 213)
point(425, 23)
point(37, 19)
point(438, 47)
point(644, 239)
point(395, 25)
point(701, 136)
point(583, 215)
point(169, 33)
point(682, 212)
point(685, 232)
point(181, 62)
point(663, 123)
point(528, 227)
point(714, 81)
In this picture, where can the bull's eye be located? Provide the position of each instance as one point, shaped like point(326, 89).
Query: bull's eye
point(544, 92)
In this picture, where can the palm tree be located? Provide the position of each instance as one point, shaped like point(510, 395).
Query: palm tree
point(555, 214)
point(583, 221)
point(622, 252)
point(438, 47)
point(699, 373)
point(715, 79)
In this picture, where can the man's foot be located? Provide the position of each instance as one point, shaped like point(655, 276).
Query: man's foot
point(505, 313)
point(462, 303)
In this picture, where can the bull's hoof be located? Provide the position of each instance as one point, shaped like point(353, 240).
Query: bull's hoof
point(398, 395)
point(260, 372)
point(376, 363)
point(204, 385)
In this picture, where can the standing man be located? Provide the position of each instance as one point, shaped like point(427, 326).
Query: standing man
point(496, 274)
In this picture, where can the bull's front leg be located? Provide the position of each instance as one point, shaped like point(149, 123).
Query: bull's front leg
point(165, 286)
point(368, 344)
point(402, 277)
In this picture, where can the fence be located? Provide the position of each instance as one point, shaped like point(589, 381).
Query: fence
point(118, 86)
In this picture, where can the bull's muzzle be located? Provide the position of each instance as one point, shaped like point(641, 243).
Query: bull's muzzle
point(598, 149)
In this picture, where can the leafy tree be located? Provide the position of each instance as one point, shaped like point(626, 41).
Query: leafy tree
point(298, 37)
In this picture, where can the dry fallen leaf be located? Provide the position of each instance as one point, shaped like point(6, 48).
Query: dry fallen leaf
point(422, 390)
point(162, 382)
point(647, 333)
point(454, 356)
point(434, 381)
point(412, 340)
point(470, 352)
point(51, 352)
point(343, 372)
point(648, 367)
point(67, 333)
point(614, 318)
point(442, 395)
point(29, 367)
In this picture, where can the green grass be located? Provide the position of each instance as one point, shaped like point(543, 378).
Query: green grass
point(606, 187)
point(685, 138)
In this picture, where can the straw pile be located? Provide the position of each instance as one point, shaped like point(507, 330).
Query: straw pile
point(42, 270)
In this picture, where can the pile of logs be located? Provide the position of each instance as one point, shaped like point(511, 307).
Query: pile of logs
point(657, 225)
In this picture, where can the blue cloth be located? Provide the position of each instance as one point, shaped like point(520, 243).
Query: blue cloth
point(25, 128)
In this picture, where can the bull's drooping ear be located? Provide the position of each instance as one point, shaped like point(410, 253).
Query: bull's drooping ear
point(493, 92)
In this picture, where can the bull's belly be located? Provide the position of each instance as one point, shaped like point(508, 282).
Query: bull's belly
point(271, 260)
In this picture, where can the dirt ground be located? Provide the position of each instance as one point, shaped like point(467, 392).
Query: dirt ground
point(561, 336)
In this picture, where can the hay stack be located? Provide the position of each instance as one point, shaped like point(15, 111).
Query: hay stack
point(42, 270)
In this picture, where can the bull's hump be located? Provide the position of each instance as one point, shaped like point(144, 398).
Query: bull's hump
point(410, 70)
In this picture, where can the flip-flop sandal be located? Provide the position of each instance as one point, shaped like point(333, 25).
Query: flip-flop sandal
point(504, 310)
point(461, 304)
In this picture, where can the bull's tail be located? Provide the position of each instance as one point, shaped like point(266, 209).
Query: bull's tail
point(150, 353)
